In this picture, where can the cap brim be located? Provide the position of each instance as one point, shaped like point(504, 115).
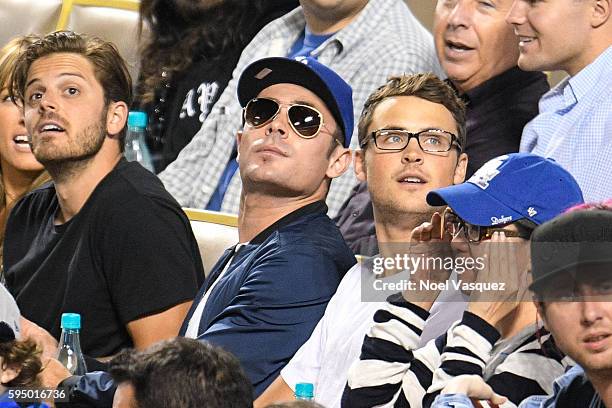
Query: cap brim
point(473, 204)
point(279, 70)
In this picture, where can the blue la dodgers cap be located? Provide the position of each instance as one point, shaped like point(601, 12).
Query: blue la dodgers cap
point(306, 72)
point(509, 188)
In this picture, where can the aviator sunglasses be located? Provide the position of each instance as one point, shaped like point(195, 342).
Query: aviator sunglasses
point(305, 120)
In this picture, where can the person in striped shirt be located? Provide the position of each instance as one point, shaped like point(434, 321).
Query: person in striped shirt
point(490, 219)
point(573, 296)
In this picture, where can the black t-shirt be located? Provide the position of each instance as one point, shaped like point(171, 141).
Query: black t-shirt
point(129, 253)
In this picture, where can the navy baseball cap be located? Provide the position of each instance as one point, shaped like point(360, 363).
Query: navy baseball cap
point(576, 243)
point(509, 188)
point(308, 73)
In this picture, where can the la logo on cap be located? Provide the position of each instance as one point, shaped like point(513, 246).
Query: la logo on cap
point(487, 172)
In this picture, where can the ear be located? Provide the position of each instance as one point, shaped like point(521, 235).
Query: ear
point(460, 169)
point(8, 373)
point(540, 310)
point(601, 13)
point(339, 162)
point(238, 140)
point(360, 165)
point(116, 117)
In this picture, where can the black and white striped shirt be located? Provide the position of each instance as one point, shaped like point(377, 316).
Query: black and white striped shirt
point(392, 371)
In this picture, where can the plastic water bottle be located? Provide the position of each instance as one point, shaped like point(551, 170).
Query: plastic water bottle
point(304, 391)
point(135, 146)
point(70, 354)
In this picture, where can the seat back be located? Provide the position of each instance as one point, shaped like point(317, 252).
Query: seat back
point(111, 20)
point(214, 232)
point(21, 17)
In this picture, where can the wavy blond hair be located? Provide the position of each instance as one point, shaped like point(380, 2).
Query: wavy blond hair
point(8, 55)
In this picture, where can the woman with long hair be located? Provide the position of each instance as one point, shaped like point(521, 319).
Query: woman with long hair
point(189, 50)
point(20, 173)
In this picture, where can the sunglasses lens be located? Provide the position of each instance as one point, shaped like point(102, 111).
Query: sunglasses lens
point(260, 111)
point(452, 224)
point(473, 232)
point(306, 121)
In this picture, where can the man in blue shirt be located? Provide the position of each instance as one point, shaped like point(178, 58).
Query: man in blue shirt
point(575, 117)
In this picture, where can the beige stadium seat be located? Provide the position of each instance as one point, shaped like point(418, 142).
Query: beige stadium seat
point(112, 20)
point(214, 231)
point(20, 17)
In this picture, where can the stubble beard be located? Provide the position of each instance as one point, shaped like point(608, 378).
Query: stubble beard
point(64, 163)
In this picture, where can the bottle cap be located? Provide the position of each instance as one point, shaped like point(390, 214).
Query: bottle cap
point(71, 321)
point(137, 119)
point(304, 390)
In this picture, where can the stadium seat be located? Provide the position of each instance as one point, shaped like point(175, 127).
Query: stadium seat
point(214, 231)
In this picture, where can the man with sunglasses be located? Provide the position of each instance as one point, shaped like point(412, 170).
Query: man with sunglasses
point(264, 296)
point(411, 134)
point(489, 220)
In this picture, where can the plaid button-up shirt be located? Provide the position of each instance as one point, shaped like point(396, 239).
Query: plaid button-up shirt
point(384, 39)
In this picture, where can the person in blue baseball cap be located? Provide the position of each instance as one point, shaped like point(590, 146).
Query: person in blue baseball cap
point(509, 188)
point(488, 221)
point(265, 296)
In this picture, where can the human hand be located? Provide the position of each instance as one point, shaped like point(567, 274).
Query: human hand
point(40, 336)
point(500, 287)
point(53, 373)
point(475, 388)
point(429, 244)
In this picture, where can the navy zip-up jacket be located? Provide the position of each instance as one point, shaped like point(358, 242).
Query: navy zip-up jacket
point(268, 302)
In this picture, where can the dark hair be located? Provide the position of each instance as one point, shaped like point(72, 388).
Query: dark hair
point(182, 31)
point(425, 86)
point(109, 67)
point(25, 356)
point(183, 373)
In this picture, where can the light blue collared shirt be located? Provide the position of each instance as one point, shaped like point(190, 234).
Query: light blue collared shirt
point(574, 127)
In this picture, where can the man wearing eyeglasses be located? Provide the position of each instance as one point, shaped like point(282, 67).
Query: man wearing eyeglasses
point(411, 133)
point(489, 219)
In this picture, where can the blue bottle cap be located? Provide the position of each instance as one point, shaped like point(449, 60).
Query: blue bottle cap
point(137, 119)
point(304, 390)
point(71, 321)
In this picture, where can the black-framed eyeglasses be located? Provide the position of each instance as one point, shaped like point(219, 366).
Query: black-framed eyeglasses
point(305, 120)
point(453, 225)
point(429, 140)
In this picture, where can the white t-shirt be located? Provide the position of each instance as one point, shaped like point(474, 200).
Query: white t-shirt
point(335, 344)
point(324, 360)
point(194, 323)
